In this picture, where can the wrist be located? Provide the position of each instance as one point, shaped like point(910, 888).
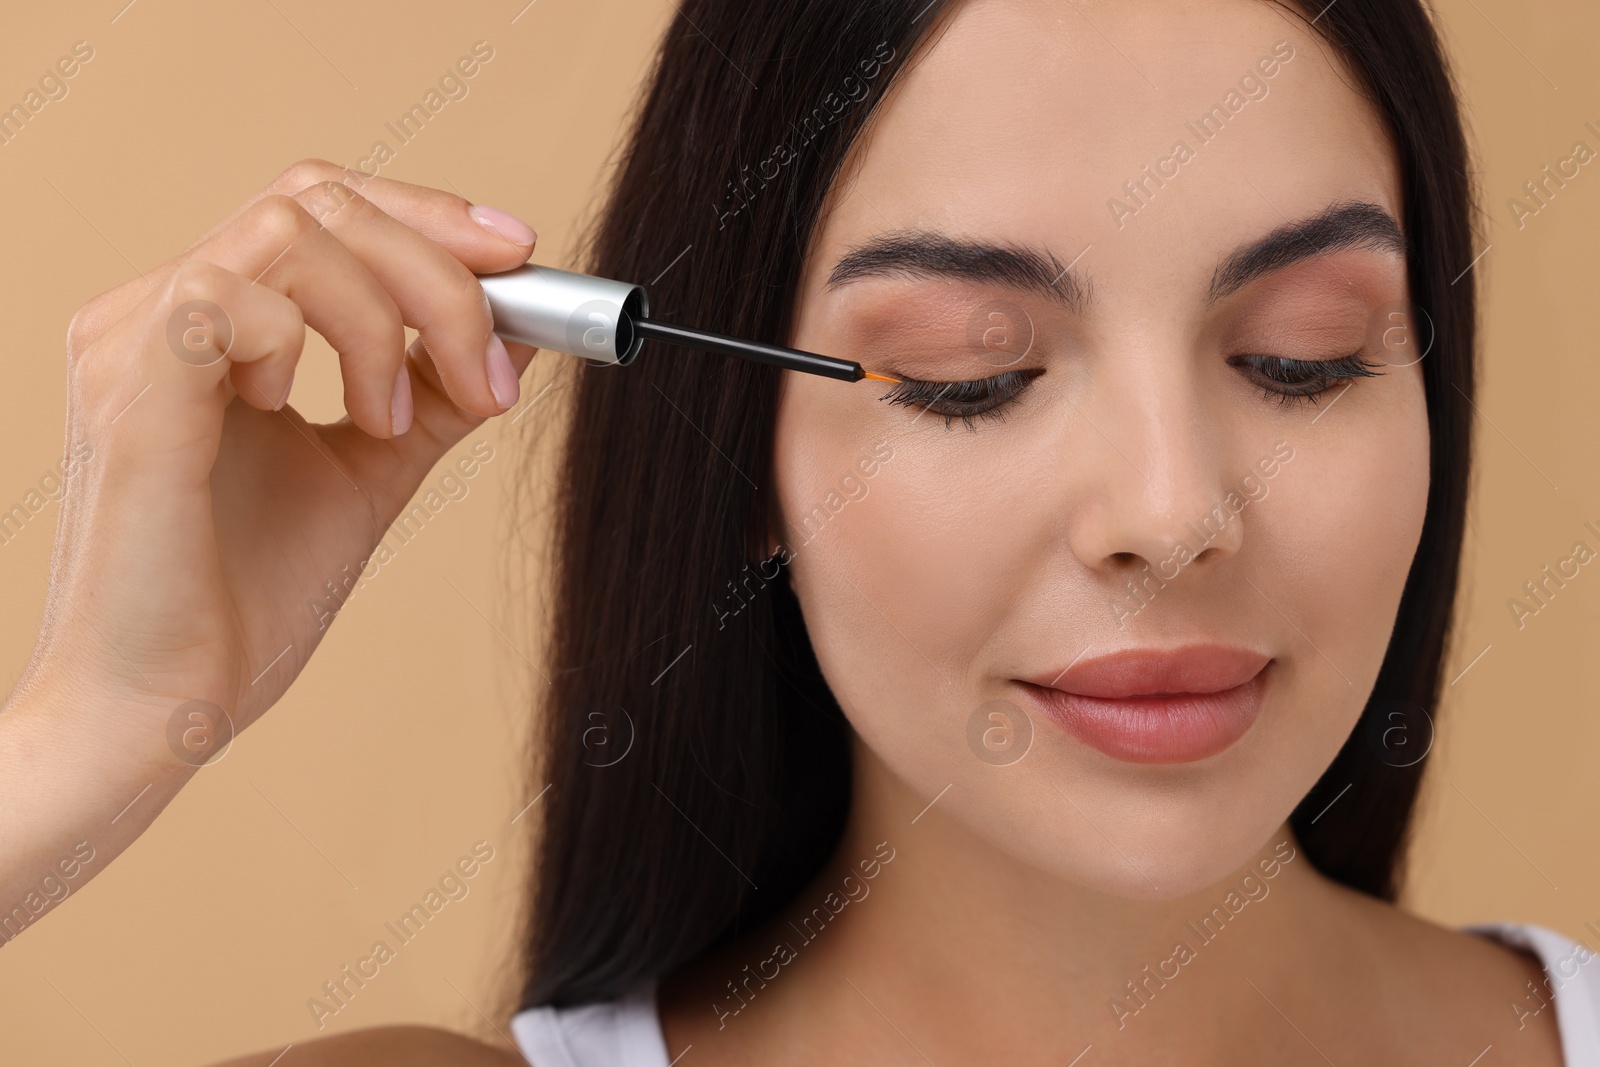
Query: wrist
point(104, 741)
point(74, 797)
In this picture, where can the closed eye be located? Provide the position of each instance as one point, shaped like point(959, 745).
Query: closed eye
point(1290, 381)
point(1295, 381)
point(980, 397)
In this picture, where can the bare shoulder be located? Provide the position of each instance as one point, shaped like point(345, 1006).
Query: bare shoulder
point(1448, 987)
point(394, 1046)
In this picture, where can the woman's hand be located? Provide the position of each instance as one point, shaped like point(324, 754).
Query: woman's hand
point(203, 519)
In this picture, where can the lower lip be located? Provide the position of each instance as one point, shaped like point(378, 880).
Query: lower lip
point(1173, 728)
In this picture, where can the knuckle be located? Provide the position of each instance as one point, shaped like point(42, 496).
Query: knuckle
point(304, 172)
point(194, 279)
point(191, 314)
point(277, 220)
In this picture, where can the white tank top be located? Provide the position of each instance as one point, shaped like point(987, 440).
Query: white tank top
point(627, 1032)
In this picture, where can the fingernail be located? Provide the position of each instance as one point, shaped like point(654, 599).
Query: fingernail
point(400, 403)
point(284, 399)
point(503, 224)
point(502, 375)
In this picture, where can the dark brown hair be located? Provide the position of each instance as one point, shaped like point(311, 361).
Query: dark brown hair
point(735, 782)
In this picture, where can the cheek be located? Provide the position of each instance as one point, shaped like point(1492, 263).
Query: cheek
point(905, 592)
point(1347, 514)
point(903, 584)
point(898, 592)
point(869, 581)
point(898, 582)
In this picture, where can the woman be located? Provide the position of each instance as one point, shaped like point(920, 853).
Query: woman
point(1064, 702)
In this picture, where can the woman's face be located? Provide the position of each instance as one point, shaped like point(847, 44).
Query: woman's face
point(1061, 208)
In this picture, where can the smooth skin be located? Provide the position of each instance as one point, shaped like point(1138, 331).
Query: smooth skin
point(1020, 899)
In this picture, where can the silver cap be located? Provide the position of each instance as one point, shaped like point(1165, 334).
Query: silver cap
point(566, 312)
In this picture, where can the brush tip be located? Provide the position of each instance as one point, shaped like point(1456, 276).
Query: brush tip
point(878, 377)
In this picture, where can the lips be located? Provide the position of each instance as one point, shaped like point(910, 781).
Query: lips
point(1156, 706)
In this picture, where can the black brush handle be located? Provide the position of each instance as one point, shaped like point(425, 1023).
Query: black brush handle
point(775, 355)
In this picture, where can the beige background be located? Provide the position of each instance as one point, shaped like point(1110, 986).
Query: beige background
point(401, 745)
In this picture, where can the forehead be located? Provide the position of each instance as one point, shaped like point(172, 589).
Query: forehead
point(1028, 120)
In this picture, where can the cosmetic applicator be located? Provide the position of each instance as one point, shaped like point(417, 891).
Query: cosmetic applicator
point(607, 322)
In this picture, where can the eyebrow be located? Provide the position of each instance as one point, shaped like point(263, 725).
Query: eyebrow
point(930, 254)
point(1337, 228)
point(921, 253)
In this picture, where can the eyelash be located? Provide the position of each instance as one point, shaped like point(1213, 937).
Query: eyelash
point(1306, 379)
point(987, 398)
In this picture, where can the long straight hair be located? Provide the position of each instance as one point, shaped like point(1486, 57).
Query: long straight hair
point(698, 767)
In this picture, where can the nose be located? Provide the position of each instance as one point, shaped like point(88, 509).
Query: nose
point(1153, 471)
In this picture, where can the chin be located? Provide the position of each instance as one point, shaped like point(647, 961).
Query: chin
point(1160, 833)
point(1167, 857)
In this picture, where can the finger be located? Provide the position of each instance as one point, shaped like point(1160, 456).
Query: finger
point(258, 330)
point(436, 412)
point(450, 221)
point(483, 238)
point(439, 426)
point(168, 399)
point(436, 294)
point(444, 218)
point(279, 244)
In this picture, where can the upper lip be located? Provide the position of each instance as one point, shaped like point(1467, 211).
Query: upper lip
point(1143, 672)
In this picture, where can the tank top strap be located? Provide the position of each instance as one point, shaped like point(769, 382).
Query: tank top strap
point(614, 1033)
point(1572, 984)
